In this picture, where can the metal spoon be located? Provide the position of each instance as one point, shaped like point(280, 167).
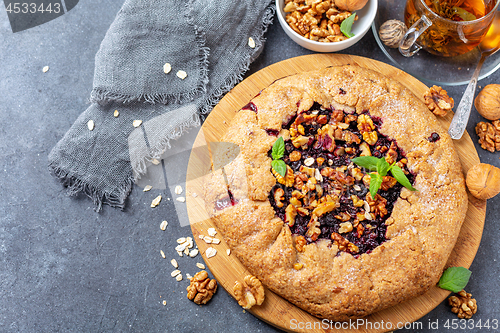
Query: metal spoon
point(489, 45)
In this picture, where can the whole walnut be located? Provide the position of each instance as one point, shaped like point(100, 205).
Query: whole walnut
point(483, 181)
point(350, 5)
point(487, 102)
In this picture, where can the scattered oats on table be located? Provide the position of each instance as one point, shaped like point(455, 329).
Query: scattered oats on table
point(207, 239)
point(215, 241)
point(137, 123)
point(200, 265)
point(90, 125)
point(175, 273)
point(147, 188)
point(174, 263)
point(162, 254)
point(178, 277)
point(181, 74)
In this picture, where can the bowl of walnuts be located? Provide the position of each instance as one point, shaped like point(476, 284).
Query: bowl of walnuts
point(326, 25)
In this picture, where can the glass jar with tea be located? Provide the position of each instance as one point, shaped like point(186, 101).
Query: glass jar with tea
point(446, 27)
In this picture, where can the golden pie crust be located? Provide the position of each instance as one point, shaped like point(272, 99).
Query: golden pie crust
point(334, 284)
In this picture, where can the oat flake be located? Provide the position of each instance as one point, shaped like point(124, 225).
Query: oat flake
point(211, 232)
point(207, 239)
point(178, 189)
point(228, 251)
point(186, 251)
point(181, 74)
point(155, 161)
point(156, 201)
point(193, 253)
point(137, 123)
point(167, 68)
point(179, 253)
point(175, 273)
point(90, 125)
point(179, 277)
point(174, 263)
point(188, 276)
point(147, 188)
point(162, 254)
point(45, 69)
point(163, 225)
point(210, 252)
point(215, 241)
point(251, 42)
point(200, 265)
point(181, 199)
point(164, 302)
point(116, 113)
point(181, 240)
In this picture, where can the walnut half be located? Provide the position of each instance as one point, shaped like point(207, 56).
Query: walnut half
point(438, 101)
point(250, 293)
point(202, 288)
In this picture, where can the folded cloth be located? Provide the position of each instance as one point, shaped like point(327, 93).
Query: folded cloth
point(207, 40)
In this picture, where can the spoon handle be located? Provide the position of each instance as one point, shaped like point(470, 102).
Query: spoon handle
point(461, 117)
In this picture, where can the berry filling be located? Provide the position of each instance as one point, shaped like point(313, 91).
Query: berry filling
point(323, 195)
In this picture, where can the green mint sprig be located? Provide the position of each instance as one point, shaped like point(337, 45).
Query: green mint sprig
point(381, 167)
point(277, 154)
point(346, 25)
point(454, 279)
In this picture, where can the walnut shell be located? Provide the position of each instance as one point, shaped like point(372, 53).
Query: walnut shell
point(350, 5)
point(487, 102)
point(483, 181)
point(391, 32)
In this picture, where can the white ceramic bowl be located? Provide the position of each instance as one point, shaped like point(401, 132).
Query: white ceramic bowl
point(366, 15)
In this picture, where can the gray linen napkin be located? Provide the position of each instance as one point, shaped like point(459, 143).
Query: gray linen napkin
point(206, 39)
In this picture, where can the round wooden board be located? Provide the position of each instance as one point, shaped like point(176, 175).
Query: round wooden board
point(227, 269)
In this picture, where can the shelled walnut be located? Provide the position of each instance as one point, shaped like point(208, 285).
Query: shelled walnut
point(202, 288)
point(489, 135)
point(250, 292)
point(318, 20)
point(463, 305)
point(438, 101)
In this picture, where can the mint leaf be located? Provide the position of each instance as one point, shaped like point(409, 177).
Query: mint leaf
point(278, 149)
point(375, 182)
point(367, 162)
point(383, 167)
point(279, 166)
point(454, 279)
point(401, 177)
point(346, 25)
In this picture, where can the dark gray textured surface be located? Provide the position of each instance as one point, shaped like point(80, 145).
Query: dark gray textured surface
point(65, 268)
